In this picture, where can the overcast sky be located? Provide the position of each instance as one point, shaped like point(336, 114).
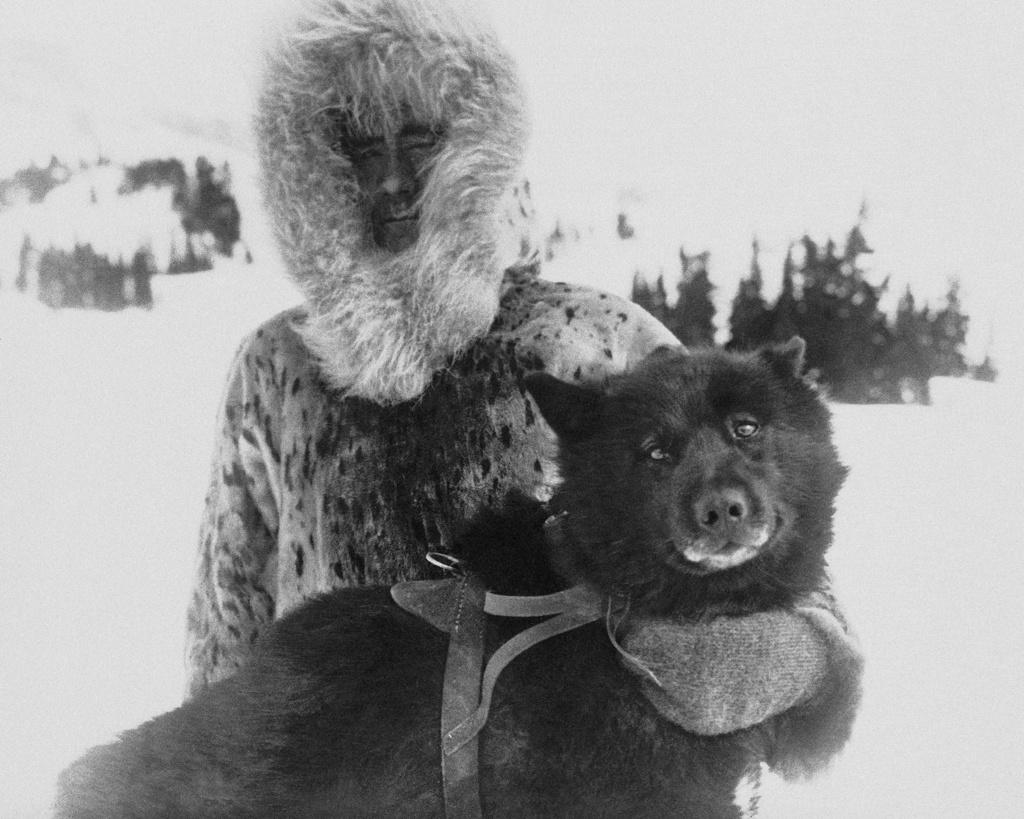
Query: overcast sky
point(738, 118)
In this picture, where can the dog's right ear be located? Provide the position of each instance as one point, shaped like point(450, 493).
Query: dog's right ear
point(571, 411)
point(787, 359)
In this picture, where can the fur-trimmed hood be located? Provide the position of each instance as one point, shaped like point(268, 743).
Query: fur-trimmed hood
point(382, 323)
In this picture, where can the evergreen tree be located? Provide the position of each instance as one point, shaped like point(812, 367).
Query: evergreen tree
point(109, 286)
point(156, 173)
point(838, 315)
point(192, 261)
point(83, 278)
point(140, 275)
point(212, 208)
point(985, 371)
point(750, 320)
point(624, 228)
point(33, 183)
point(783, 315)
point(51, 283)
point(817, 310)
point(79, 276)
point(692, 318)
point(907, 358)
point(948, 336)
point(869, 325)
point(24, 260)
point(653, 299)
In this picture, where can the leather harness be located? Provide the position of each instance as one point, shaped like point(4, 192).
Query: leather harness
point(459, 607)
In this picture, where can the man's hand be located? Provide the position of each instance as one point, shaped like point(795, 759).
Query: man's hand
point(800, 666)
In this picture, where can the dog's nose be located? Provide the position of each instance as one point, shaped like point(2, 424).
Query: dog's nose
point(720, 510)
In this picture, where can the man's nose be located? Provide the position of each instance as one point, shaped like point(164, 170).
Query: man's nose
point(398, 176)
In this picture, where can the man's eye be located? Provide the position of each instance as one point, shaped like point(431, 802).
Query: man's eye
point(658, 454)
point(419, 145)
point(368, 150)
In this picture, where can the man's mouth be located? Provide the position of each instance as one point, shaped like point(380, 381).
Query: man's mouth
point(401, 215)
point(396, 231)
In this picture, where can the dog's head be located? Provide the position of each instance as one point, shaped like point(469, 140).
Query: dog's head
point(699, 480)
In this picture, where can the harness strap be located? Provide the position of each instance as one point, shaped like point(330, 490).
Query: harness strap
point(467, 730)
point(459, 700)
point(503, 605)
point(459, 607)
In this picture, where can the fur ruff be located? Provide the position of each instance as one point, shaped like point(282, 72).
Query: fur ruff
point(383, 323)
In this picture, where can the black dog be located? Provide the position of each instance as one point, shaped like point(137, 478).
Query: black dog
point(698, 484)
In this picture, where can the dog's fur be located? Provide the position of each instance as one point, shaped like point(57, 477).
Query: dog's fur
point(337, 713)
point(383, 323)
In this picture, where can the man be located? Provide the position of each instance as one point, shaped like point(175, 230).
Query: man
point(364, 429)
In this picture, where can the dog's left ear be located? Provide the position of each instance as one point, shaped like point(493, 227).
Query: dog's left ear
point(571, 411)
point(787, 358)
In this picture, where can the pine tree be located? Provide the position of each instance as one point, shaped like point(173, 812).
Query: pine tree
point(140, 273)
point(624, 228)
point(869, 326)
point(692, 318)
point(51, 283)
point(653, 299)
point(985, 371)
point(192, 261)
point(33, 182)
point(907, 358)
point(750, 319)
point(948, 336)
point(110, 280)
point(783, 315)
point(24, 260)
point(211, 208)
point(225, 219)
point(838, 315)
point(156, 173)
point(79, 275)
point(818, 318)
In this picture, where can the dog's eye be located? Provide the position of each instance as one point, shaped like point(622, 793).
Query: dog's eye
point(745, 428)
point(655, 450)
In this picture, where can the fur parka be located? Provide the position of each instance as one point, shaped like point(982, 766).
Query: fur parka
point(383, 323)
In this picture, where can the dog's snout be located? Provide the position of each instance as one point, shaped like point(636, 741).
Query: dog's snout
point(720, 510)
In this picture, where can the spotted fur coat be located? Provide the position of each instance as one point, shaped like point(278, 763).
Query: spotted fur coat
point(312, 489)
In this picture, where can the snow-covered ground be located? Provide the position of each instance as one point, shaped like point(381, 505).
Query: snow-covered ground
point(106, 427)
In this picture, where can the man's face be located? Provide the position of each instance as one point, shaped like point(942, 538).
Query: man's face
point(390, 171)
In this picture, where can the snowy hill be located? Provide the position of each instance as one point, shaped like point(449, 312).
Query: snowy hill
point(95, 206)
point(53, 107)
point(88, 209)
point(107, 428)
